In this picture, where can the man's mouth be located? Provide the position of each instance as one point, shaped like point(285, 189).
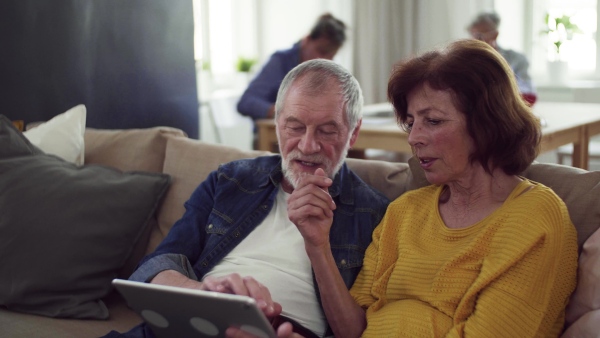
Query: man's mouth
point(307, 164)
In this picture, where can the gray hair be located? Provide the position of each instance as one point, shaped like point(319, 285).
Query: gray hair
point(491, 19)
point(318, 72)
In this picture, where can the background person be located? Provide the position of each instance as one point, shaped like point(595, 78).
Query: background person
point(485, 28)
point(481, 252)
point(324, 40)
point(236, 235)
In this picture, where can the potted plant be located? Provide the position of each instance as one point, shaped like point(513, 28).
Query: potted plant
point(245, 65)
point(558, 29)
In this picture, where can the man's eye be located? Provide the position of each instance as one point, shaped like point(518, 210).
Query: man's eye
point(295, 128)
point(328, 132)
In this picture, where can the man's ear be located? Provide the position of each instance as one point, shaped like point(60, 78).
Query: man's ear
point(354, 135)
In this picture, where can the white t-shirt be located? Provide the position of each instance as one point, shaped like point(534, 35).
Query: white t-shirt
point(274, 255)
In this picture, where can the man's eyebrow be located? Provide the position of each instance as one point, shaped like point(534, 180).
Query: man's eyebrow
point(327, 123)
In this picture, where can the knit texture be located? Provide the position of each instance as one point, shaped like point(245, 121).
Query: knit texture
point(509, 275)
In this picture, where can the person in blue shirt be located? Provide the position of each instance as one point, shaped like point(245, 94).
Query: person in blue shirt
point(250, 227)
point(324, 40)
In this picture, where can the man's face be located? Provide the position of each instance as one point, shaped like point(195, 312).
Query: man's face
point(485, 33)
point(313, 132)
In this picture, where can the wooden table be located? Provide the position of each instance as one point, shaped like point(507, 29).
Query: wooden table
point(565, 122)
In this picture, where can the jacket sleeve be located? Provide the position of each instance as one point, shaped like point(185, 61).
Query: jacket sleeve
point(183, 244)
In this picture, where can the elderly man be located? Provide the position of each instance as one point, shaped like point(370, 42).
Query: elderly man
point(247, 228)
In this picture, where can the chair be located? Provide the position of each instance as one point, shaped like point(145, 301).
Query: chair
point(567, 151)
point(231, 128)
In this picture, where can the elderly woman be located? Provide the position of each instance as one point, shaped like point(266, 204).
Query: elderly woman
point(482, 251)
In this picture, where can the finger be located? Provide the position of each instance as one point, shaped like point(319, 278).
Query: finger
point(235, 283)
point(315, 191)
point(320, 172)
point(321, 181)
point(235, 332)
point(215, 284)
point(285, 330)
point(260, 293)
point(312, 196)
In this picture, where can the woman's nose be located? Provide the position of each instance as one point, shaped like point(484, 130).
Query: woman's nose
point(415, 135)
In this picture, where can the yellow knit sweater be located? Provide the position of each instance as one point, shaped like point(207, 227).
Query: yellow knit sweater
point(509, 275)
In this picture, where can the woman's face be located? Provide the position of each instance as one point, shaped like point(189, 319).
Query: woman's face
point(438, 135)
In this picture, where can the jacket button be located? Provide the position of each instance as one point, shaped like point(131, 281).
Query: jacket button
point(343, 262)
point(264, 206)
point(236, 234)
point(205, 263)
point(210, 226)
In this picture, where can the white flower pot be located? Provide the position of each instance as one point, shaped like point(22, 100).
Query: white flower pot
point(558, 71)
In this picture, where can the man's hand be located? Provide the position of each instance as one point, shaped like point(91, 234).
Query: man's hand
point(233, 284)
point(246, 286)
point(283, 331)
point(310, 208)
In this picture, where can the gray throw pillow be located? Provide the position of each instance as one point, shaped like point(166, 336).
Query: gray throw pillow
point(65, 231)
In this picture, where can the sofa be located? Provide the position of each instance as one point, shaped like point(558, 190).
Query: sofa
point(172, 165)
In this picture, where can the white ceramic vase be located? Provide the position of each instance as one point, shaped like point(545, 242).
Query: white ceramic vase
point(557, 71)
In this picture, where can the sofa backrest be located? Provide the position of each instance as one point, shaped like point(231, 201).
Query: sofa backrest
point(129, 149)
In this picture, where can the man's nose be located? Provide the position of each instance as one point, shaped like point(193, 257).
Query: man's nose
point(309, 144)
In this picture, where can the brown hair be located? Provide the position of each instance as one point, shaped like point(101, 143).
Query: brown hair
point(329, 27)
point(506, 134)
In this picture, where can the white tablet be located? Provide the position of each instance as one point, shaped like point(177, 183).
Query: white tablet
point(179, 312)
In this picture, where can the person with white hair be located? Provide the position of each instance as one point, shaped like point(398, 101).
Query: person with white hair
point(484, 27)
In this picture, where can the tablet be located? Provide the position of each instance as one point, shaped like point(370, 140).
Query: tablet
point(180, 312)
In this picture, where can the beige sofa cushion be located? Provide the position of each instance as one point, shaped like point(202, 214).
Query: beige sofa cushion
point(131, 149)
point(390, 178)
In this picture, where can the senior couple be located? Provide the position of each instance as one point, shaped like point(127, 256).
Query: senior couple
point(481, 252)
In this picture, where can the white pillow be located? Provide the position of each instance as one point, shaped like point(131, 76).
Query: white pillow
point(62, 135)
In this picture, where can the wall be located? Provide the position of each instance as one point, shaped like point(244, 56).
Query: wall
point(130, 62)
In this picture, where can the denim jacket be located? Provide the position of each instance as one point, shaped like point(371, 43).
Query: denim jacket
point(237, 197)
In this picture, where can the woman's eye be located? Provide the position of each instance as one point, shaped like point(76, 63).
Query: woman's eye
point(408, 125)
point(434, 122)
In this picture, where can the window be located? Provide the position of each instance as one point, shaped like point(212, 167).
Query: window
point(224, 31)
point(570, 35)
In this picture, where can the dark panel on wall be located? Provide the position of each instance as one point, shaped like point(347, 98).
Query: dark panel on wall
point(131, 62)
